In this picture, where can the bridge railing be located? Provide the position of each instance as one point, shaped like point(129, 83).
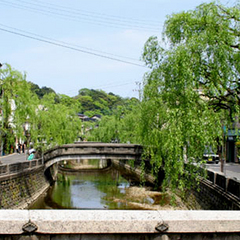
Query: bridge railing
point(8, 169)
point(94, 150)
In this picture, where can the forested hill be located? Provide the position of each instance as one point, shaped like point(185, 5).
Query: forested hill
point(41, 91)
point(99, 101)
point(89, 101)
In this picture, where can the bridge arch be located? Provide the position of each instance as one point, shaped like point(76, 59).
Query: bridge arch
point(92, 150)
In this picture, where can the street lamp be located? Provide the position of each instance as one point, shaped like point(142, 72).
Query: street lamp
point(27, 134)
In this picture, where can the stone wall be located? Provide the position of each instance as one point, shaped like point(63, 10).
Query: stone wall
point(20, 189)
point(134, 171)
point(217, 192)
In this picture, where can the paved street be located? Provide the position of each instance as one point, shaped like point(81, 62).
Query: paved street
point(13, 158)
point(231, 169)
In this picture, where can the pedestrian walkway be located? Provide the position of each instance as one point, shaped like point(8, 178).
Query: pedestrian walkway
point(13, 158)
point(231, 170)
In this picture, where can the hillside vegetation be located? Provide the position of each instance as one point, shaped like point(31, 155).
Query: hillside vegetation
point(88, 101)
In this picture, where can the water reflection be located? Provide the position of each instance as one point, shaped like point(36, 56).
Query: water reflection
point(86, 190)
point(98, 189)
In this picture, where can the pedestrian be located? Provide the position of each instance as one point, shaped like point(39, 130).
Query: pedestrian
point(31, 156)
point(11, 151)
point(23, 148)
point(17, 148)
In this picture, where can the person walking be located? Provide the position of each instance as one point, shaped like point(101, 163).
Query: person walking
point(17, 148)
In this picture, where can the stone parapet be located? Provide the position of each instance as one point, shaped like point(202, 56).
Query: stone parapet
point(90, 150)
point(19, 167)
point(94, 224)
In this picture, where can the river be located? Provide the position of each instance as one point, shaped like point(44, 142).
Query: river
point(101, 189)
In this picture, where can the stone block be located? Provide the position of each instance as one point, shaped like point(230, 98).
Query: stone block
point(11, 221)
point(201, 221)
point(221, 180)
point(96, 222)
point(234, 187)
point(211, 176)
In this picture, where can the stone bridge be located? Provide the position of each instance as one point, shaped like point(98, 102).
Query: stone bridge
point(92, 150)
point(20, 182)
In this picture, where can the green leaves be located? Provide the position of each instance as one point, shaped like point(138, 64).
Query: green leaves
point(15, 100)
point(122, 126)
point(50, 123)
point(98, 101)
point(57, 124)
point(192, 88)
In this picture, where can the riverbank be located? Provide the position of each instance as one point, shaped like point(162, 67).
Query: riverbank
point(145, 199)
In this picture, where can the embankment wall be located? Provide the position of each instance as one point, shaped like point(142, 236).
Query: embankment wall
point(21, 184)
point(216, 192)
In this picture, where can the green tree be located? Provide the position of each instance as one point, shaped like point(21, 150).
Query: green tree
point(192, 82)
point(17, 103)
point(55, 123)
point(41, 91)
point(86, 102)
point(98, 101)
point(51, 122)
point(70, 102)
point(121, 126)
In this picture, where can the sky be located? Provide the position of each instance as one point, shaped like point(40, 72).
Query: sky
point(75, 44)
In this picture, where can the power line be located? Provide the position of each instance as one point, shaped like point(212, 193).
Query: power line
point(102, 14)
point(74, 45)
point(114, 84)
point(103, 87)
point(96, 20)
point(56, 43)
point(92, 14)
point(119, 85)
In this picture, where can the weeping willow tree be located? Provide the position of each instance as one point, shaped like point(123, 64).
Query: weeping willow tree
point(54, 123)
point(17, 104)
point(122, 126)
point(50, 123)
point(192, 89)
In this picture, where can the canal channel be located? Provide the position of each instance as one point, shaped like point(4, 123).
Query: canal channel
point(94, 185)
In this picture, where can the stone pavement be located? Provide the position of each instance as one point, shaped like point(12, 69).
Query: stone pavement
point(13, 158)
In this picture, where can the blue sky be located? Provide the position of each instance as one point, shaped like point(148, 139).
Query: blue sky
point(106, 30)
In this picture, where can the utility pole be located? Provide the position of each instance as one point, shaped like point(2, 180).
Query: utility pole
point(139, 90)
point(223, 157)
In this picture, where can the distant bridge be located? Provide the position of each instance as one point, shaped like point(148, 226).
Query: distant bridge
point(92, 150)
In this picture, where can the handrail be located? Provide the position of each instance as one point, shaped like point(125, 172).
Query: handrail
point(14, 168)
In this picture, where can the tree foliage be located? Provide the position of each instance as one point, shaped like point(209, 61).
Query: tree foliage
point(40, 92)
point(122, 126)
point(16, 104)
point(51, 122)
point(98, 101)
point(55, 124)
point(193, 81)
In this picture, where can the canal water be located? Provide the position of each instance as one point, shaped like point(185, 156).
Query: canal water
point(99, 189)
